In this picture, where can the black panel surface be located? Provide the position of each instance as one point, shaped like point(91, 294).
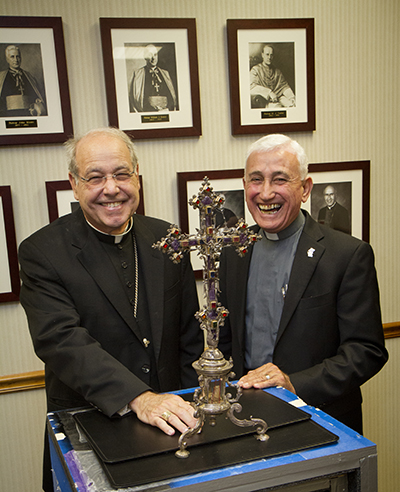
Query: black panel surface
point(127, 438)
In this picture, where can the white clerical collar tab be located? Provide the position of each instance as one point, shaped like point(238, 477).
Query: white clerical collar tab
point(272, 236)
point(117, 237)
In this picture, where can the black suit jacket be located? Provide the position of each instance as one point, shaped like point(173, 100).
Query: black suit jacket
point(82, 324)
point(330, 338)
point(340, 218)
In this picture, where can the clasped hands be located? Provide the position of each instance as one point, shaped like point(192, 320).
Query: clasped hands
point(266, 376)
point(165, 411)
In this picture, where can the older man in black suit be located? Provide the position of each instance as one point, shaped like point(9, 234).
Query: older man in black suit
point(19, 91)
point(304, 303)
point(333, 214)
point(111, 317)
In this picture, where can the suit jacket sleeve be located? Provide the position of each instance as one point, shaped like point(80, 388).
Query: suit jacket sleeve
point(62, 342)
point(88, 342)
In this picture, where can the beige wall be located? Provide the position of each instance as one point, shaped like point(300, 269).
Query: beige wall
point(357, 108)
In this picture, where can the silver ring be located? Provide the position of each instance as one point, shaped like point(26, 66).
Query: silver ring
point(267, 376)
point(166, 415)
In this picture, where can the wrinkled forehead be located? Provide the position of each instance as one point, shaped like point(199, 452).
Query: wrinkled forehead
point(273, 161)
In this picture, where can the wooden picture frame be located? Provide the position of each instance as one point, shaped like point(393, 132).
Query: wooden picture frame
point(42, 112)
point(261, 93)
point(61, 200)
point(9, 267)
point(228, 182)
point(175, 110)
point(351, 181)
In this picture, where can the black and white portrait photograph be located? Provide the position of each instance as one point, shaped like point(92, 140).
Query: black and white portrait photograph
point(232, 210)
point(331, 205)
point(151, 76)
point(22, 87)
point(152, 81)
point(272, 75)
point(340, 196)
point(35, 105)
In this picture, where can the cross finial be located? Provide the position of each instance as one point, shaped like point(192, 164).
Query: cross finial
point(208, 241)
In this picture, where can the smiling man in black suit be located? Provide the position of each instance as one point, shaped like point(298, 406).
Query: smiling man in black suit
point(303, 305)
point(111, 317)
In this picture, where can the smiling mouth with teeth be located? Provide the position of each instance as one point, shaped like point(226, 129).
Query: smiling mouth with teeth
point(112, 205)
point(270, 209)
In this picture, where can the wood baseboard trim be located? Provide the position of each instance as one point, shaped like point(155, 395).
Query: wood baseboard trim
point(35, 379)
point(391, 330)
point(22, 382)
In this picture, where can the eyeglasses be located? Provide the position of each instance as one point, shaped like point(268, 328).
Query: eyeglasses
point(100, 181)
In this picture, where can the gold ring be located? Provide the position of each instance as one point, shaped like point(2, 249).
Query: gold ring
point(267, 376)
point(166, 415)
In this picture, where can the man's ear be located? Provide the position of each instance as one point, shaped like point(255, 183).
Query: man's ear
point(137, 175)
point(72, 181)
point(307, 187)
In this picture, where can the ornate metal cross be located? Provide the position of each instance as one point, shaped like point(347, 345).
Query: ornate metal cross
point(212, 368)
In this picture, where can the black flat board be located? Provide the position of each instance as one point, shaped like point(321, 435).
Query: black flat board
point(282, 440)
point(116, 440)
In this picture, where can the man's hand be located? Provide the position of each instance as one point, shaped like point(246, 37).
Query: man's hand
point(273, 97)
point(266, 376)
point(166, 411)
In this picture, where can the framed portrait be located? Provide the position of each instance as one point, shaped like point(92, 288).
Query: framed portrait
point(227, 182)
point(34, 93)
point(340, 196)
point(271, 75)
point(9, 269)
point(151, 76)
point(61, 200)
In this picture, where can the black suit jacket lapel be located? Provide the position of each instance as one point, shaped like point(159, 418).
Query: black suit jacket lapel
point(151, 267)
point(237, 279)
point(96, 261)
point(308, 254)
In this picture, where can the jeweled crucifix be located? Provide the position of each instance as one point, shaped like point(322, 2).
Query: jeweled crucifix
point(214, 371)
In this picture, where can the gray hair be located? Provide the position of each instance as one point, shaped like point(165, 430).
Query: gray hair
point(12, 47)
point(70, 146)
point(148, 51)
point(276, 141)
point(267, 46)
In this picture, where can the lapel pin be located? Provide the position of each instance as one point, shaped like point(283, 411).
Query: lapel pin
point(310, 252)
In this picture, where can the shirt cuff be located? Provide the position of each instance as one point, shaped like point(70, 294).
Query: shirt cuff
point(124, 411)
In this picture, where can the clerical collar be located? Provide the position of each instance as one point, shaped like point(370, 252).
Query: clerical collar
point(112, 238)
point(297, 224)
point(331, 206)
point(15, 71)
